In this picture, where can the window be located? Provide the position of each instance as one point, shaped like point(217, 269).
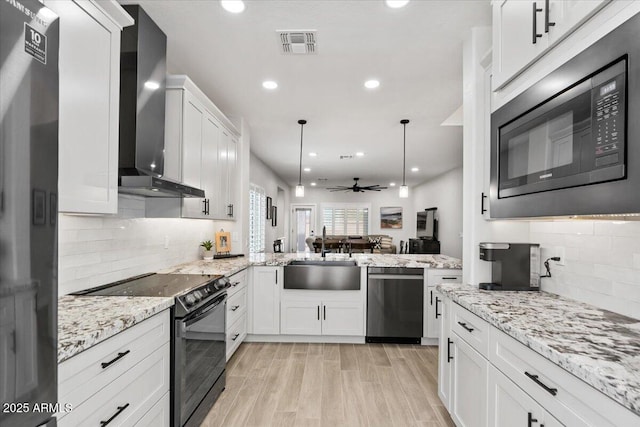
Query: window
point(257, 218)
point(349, 220)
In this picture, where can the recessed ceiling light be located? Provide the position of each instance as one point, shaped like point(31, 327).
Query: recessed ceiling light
point(371, 84)
point(395, 4)
point(359, 154)
point(392, 184)
point(313, 184)
point(233, 6)
point(414, 169)
point(312, 154)
point(269, 84)
point(307, 169)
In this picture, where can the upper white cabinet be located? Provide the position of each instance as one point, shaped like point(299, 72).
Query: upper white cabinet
point(89, 104)
point(200, 150)
point(524, 29)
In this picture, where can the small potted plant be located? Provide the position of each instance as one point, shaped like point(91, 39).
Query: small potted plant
point(208, 253)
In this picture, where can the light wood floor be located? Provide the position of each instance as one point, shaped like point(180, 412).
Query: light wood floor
point(332, 385)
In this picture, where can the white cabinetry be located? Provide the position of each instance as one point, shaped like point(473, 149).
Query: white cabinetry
point(236, 312)
point(337, 313)
point(89, 104)
point(125, 377)
point(431, 326)
point(265, 300)
point(200, 150)
point(523, 30)
point(445, 355)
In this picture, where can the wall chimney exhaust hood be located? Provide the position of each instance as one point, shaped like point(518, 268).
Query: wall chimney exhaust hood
point(143, 70)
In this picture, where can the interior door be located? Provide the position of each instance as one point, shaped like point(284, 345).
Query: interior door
point(302, 224)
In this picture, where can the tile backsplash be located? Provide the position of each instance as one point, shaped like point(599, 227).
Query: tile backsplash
point(602, 262)
point(96, 250)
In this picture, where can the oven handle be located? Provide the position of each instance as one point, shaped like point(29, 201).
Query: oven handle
point(199, 315)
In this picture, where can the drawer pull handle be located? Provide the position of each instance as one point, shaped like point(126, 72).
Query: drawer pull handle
point(534, 378)
point(235, 307)
point(464, 325)
point(118, 412)
point(437, 301)
point(115, 359)
point(234, 284)
point(235, 337)
point(449, 356)
point(450, 278)
point(531, 420)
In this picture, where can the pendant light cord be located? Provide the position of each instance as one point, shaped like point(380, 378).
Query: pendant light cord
point(300, 171)
point(404, 152)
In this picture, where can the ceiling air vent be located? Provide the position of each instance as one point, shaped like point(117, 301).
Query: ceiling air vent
point(346, 157)
point(298, 42)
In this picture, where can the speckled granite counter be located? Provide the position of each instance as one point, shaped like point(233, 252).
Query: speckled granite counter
point(231, 266)
point(84, 321)
point(599, 347)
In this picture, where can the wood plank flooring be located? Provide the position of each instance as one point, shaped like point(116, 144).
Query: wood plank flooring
point(280, 384)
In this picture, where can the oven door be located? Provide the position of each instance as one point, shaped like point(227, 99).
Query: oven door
point(200, 355)
point(575, 138)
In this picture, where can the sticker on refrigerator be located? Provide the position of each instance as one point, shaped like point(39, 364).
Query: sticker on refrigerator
point(35, 43)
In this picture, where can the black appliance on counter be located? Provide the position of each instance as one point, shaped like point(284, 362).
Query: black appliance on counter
point(514, 266)
point(427, 233)
point(198, 339)
point(424, 246)
point(567, 146)
point(395, 298)
point(29, 38)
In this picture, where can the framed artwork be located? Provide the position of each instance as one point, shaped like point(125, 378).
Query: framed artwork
point(391, 217)
point(223, 242)
point(274, 216)
point(269, 206)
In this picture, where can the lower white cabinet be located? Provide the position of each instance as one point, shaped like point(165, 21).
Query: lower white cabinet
point(265, 300)
point(338, 313)
point(431, 324)
point(124, 379)
point(510, 406)
point(469, 381)
point(444, 350)
point(236, 319)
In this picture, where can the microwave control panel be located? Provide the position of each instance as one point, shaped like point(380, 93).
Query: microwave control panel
point(608, 119)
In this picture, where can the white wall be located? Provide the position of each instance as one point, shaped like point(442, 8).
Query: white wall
point(445, 193)
point(261, 175)
point(602, 262)
point(384, 198)
point(96, 250)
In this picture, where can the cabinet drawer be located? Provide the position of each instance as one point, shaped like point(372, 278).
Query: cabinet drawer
point(569, 399)
point(235, 335)
point(130, 396)
point(236, 306)
point(437, 278)
point(238, 283)
point(85, 374)
point(470, 328)
point(159, 415)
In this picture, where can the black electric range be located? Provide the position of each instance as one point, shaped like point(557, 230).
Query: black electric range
point(198, 339)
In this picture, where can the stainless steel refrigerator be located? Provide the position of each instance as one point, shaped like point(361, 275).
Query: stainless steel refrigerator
point(28, 213)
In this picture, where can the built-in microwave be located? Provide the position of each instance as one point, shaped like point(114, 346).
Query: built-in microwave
point(570, 144)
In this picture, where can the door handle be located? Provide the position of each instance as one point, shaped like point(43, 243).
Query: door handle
point(430, 297)
point(547, 22)
point(318, 312)
point(235, 307)
point(482, 208)
point(552, 391)
point(530, 419)
point(535, 34)
point(464, 325)
point(449, 356)
point(437, 314)
point(324, 312)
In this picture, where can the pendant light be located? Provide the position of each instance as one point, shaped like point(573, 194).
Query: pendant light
point(300, 187)
point(404, 190)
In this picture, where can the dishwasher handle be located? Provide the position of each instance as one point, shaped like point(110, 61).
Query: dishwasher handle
point(396, 276)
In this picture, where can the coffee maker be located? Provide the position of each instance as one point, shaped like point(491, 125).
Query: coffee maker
point(515, 266)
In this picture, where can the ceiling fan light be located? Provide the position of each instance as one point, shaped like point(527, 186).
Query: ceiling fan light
point(404, 192)
point(299, 190)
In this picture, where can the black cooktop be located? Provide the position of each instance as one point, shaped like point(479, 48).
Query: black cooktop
point(154, 285)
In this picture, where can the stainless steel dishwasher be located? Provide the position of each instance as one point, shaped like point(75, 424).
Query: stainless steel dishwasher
point(395, 304)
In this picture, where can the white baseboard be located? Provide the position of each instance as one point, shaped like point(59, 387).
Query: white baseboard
point(429, 341)
point(329, 339)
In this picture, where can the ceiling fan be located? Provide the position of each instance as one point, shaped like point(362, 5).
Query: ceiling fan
point(356, 188)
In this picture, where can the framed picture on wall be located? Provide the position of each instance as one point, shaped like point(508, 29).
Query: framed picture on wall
point(274, 216)
point(269, 206)
point(223, 242)
point(391, 217)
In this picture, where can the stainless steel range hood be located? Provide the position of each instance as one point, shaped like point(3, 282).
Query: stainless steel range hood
point(143, 69)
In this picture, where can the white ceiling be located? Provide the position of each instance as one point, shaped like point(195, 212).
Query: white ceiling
point(415, 52)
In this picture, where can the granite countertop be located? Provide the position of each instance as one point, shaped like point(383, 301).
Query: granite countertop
point(600, 347)
point(84, 321)
point(231, 266)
